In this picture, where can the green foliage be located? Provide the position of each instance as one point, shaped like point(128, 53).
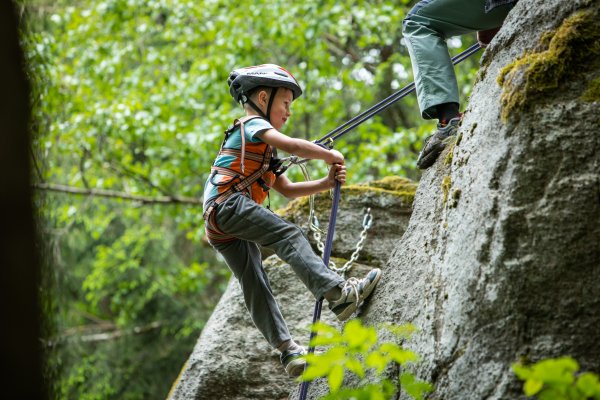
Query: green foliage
point(129, 96)
point(356, 350)
point(558, 379)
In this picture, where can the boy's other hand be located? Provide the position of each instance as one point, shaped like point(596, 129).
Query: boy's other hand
point(336, 157)
point(337, 172)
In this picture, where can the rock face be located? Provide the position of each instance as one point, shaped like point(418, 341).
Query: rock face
point(501, 257)
point(231, 359)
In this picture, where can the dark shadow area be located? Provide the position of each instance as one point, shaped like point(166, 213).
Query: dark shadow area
point(20, 347)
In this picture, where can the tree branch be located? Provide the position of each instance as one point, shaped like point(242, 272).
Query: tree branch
point(341, 50)
point(171, 199)
point(110, 332)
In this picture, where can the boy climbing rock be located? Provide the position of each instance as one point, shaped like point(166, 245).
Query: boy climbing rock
point(426, 27)
point(236, 223)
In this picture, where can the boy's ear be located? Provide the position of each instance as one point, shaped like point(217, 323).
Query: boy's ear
point(263, 96)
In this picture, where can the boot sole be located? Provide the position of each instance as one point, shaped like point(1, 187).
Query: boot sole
point(295, 368)
point(344, 315)
point(430, 158)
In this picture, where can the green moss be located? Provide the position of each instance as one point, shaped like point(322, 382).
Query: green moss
point(296, 204)
point(356, 190)
point(394, 185)
point(450, 154)
point(572, 48)
point(446, 185)
point(592, 93)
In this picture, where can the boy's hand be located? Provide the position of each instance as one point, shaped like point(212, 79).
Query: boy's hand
point(337, 172)
point(336, 157)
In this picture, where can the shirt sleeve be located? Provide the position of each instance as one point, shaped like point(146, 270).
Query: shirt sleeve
point(255, 127)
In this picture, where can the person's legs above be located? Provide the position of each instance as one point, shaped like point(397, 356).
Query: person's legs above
point(425, 29)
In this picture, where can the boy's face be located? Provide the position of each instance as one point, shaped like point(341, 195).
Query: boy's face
point(280, 109)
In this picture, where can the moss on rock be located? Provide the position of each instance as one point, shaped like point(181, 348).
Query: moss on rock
point(574, 47)
point(446, 185)
point(393, 185)
point(592, 93)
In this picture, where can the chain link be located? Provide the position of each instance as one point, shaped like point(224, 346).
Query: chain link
point(367, 222)
point(318, 233)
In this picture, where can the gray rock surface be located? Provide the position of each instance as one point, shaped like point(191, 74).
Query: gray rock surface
point(231, 360)
point(505, 265)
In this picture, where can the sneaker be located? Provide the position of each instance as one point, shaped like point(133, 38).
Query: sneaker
point(354, 292)
point(293, 362)
point(434, 144)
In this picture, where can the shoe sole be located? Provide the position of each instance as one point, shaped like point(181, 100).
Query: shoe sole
point(295, 368)
point(431, 157)
point(344, 315)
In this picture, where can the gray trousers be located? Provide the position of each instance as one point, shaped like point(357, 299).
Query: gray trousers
point(426, 28)
point(250, 223)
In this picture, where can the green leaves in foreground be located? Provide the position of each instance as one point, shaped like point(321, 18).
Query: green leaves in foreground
point(557, 379)
point(356, 349)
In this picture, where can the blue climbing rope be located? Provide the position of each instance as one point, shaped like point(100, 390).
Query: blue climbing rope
point(326, 256)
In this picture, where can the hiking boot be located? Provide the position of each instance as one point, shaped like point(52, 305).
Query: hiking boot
point(354, 292)
point(434, 144)
point(293, 362)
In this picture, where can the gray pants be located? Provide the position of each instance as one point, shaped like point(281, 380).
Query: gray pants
point(426, 28)
point(250, 223)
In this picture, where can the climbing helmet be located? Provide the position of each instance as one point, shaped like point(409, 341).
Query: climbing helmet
point(243, 81)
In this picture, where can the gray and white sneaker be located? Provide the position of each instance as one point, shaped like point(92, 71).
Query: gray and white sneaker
point(293, 362)
point(434, 144)
point(354, 293)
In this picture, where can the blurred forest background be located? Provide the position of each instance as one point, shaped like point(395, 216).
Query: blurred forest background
point(129, 105)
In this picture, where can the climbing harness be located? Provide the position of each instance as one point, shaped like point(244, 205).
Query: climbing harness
point(263, 166)
point(329, 138)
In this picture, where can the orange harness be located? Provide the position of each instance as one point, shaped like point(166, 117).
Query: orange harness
point(259, 160)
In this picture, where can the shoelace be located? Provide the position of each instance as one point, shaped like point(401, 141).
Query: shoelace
point(353, 283)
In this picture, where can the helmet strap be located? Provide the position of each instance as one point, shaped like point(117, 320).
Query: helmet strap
point(260, 112)
point(271, 98)
point(266, 116)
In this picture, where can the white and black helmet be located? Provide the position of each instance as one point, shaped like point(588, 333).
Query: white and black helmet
point(243, 81)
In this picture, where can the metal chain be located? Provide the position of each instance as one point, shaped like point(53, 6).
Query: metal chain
point(318, 233)
point(367, 222)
